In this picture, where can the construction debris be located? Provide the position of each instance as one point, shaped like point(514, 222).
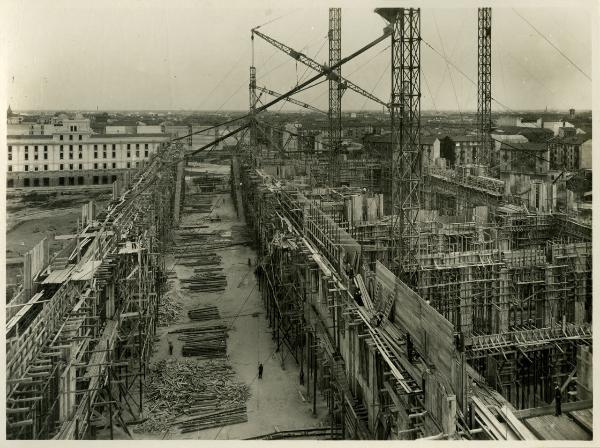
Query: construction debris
point(169, 311)
point(192, 396)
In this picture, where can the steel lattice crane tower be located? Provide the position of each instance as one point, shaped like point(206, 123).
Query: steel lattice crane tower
point(252, 100)
point(336, 90)
point(484, 84)
point(405, 111)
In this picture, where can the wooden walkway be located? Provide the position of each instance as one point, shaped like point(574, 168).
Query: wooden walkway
point(549, 427)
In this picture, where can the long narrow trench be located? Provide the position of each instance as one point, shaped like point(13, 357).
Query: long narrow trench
point(276, 402)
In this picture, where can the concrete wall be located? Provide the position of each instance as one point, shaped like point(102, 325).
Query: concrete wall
point(585, 155)
point(149, 129)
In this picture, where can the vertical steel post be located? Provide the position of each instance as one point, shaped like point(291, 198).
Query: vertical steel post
point(405, 110)
point(484, 84)
point(335, 95)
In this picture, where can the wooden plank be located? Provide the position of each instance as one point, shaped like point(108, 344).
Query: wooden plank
point(516, 425)
point(547, 410)
point(585, 419)
point(549, 427)
point(498, 431)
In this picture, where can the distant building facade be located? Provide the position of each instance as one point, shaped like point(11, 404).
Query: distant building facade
point(66, 152)
point(570, 152)
point(381, 144)
point(527, 157)
point(539, 123)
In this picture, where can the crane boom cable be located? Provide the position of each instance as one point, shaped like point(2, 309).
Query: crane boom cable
point(306, 84)
point(315, 65)
point(552, 45)
point(449, 71)
point(463, 73)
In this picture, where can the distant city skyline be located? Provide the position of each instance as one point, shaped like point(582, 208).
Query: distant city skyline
point(192, 56)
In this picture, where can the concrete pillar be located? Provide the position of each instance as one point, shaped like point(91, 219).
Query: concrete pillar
point(466, 308)
point(27, 275)
point(67, 385)
point(585, 377)
point(503, 301)
point(179, 184)
point(449, 416)
point(237, 180)
point(549, 312)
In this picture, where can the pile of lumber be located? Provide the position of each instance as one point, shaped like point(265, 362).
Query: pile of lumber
point(203, 342)
point(207, 182)
point(206, 313)
point(198, 240)
point(184, 393)
point(198, 203)
point(205, 281)
point(213, 418)
point(169, 311)
point(199, 258)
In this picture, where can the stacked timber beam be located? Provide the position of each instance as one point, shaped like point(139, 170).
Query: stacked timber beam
point(209, 341)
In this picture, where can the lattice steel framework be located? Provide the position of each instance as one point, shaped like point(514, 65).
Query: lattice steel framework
point(484, 84)
point(252, 101)
point(405, 113)
point(335, 94)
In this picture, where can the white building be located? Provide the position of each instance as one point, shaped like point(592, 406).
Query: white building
point(66, 152)
point(554, 126)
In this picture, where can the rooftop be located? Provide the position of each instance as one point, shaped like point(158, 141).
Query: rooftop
point(527, 146)
point(387, 138)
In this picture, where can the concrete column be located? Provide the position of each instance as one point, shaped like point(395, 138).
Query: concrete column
point(67, 385)
point(237, 179)
point(449, 416)
point(549, 313)
point(27, 275)
point(179, 186)
point(503, 301)
point(466, 308)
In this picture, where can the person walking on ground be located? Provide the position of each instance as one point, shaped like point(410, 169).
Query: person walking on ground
point(557, 400)
point(170, 348)
point(260, 371)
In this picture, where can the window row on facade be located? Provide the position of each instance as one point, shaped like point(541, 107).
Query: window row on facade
point(80, 166)
point(60, 181)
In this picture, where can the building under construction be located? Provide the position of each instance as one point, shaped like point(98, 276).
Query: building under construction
point(418, 299)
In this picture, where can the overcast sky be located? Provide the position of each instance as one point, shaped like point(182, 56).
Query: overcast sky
point(69, 54)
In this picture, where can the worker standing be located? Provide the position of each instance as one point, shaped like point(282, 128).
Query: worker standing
point(170, 348)
point(557, 401)
point(260, 371)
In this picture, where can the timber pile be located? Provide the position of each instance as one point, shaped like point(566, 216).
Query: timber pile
point(198, 257)
point(191, 394)
point(208, 274)
point(198, 203)
point(203, 342)
point(169, 311)
point(205, 313)
point(214, 418)
point(210, 182)
point(190, 243)
point(205, 282)
point(240, 232)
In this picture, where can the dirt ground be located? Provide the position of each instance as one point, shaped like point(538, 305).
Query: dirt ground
point(277, 401)
point(30, 218)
